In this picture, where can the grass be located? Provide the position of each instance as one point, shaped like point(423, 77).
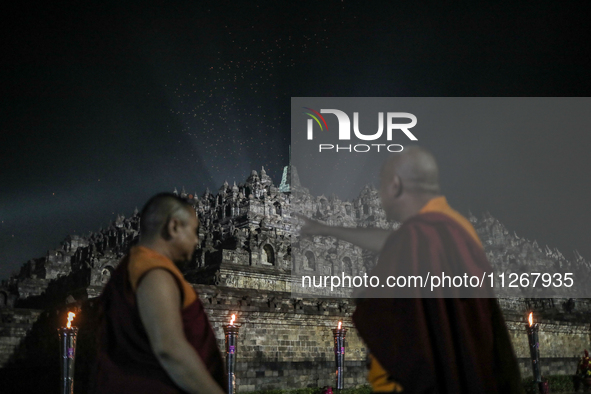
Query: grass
point(558, 384)
point(359, 390)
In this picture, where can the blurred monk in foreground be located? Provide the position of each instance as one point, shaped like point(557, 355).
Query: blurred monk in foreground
point(155, 336)
point(442, 342)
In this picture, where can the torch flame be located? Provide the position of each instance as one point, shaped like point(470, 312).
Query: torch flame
point(232, 321)
point(71, 316)
point(340, 324)
point(531, 319)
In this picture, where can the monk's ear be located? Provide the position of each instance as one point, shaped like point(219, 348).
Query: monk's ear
point(170, 228)
point(174, 225)
point(396, 186)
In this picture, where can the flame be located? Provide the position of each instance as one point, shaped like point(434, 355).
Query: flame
point(71, 316)
point(531, 319)
point(232, 321)
point(340, 324)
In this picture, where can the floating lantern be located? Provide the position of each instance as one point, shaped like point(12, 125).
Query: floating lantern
point(339, 334)
point(67, 336)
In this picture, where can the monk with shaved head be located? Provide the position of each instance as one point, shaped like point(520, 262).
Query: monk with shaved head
point(450, 340)
point(408, 181)
point(155, 336)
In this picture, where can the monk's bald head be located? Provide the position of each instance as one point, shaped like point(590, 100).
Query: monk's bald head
point(159, 210)
point(416, 168)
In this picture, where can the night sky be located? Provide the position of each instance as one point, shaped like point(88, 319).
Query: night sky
point(107, 104)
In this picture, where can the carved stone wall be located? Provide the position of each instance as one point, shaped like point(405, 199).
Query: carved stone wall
point(15, 324)
point(285, 342)
point(244, 265)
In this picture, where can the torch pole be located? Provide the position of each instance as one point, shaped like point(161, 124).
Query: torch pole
point(534, 350)
point(231, 333)
point(67, 338)
point(339, 353)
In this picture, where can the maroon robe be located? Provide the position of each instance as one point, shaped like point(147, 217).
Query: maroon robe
point(437, 345)
point(126, 362)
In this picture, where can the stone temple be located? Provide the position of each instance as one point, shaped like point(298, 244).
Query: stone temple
point(244, 265)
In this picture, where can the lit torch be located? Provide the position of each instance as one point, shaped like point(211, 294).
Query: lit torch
point(534, 349)
point(231, 332)
point(531, 319)
point(71, 316)
point(339, 353)
point(67, 336)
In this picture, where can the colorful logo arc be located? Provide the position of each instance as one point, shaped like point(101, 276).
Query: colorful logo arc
point(315, 118)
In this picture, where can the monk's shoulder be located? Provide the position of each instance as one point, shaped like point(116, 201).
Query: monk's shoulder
point(411, 232)
point(421, 223)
